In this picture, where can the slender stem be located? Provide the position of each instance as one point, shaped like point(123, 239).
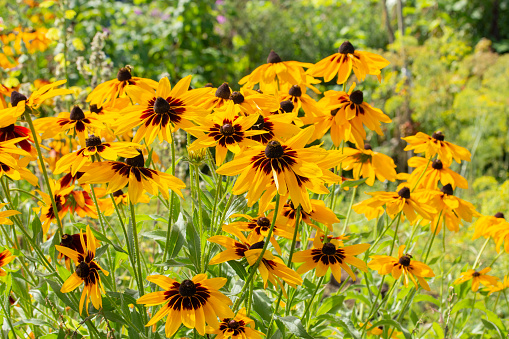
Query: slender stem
point(422, 174)
point(137, 250)
point(373, 310)
point(354, 192)
point(8, 317)
point(200, 218)
point(260, 257)
point(305, 315)
point(480, 252)
point(276, 309)
point(498, 256)
point(395, 234)
point(28, 118)
point(170, 212)
point(295, 233)
point(433, 237)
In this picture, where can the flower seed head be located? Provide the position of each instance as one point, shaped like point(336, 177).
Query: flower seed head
point(438, 135)
point(273, 58)
point(437, 164)
point(95, 109)
point(227, 129)
point(346, 48)
point(124, 74)
point(405, 260)
point(77, 113)
point(263, 222)
point(118, 193)
point(223, 91)
point(257, 245)
point(476, 274)
point(499, 215)
point(187, 288)
point(82, 270)
point(329, 248)
point(17, 97)
point(66, 240)
point(233, 324)
point(237, 97)
point(274, 150)
point(357, 97)
point(447, 189)
point(404, 193)
point(208, 84)
point(334, 112)
point(295, 91)
point(137, 161)
point(161, 106)
point(287, 106)
point(92, 140)
point(367, 146)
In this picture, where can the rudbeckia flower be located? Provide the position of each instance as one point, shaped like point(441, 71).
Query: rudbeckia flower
point(76, 122)
point(433, 173)
point(87, 271)
point(319, 213)
point(5, 258)
point(436, 144)
point(133, 172)
point(258, 228)
point(477, 278)
point(192, 302)
point(342, 63)
point(216, 99)
point(4, 215)
point(346, 114)
point(379, 331)
point(74, 243)
point(331, 255)
point(271, 268)
point(247, 102)
point(292, 167)
point(369, 164)
point(487, 224)
point(500, 234)
point(410, 204)
point(403, 264)
point(297, 95)
point(277, 127)
point(453, 209)
point(110, 90)
point(73, 162)
point(161, 113)
point(19, 102)
point(47, 214)
point(274, 72)
point(16, 169)
point(498, 286)
point(12, 132)
point(236, 328)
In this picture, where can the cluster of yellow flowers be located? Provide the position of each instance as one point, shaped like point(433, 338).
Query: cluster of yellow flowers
point(258, 135)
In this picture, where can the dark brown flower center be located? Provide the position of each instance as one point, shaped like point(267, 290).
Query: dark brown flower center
point(405, 260)
point(17, 97)
point(263, 222)
point(404, 193)
point(8, 129)
point(287, 106)
point(95, 109)
point(499, 215)
point(357, 97)
point(92, 140)
point(161, 106)
point(438, 135)
point(227, 129)
point(77, 114)
point(124, 74)
point(295, 91)
point(437, 164)
point(447, 189)
point(476, 274)
point(274, 150)
point(257, 245)
point(223, 91)
point(187, 288)
point(334, 112)
point(118, 193)
point(260, 124)
point(346, 48)
point(137, 161)
point(273, 58)
point(208, 84)
point(233, 324)
point(367, 146)
point(329, 249)
point(66, 240)
point(83, 270)
point(237, 97)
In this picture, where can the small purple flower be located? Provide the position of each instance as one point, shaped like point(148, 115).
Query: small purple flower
point(106, 30)
point(138, 11)
point(219, 2)
point(155, 13)
point(221, 19)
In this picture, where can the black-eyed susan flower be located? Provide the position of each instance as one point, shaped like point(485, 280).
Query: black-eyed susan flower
point(297, 95)
point(331, 254)
point(369, 164)
point(225, 132)
point(73, 162)
point(436, 144)
point(75, 122)
point(112, 89)
point(403, 264)
point(47, 213)
point(192, 302)
point(247, 102)
point(498, 286)
point(319, 213)
point(403, 200)
point(87, 271)
point(274, 72)
point(342, 63)
point(133, 172)
point(454, 210)
point(258, 228)
point(74, 243)
point(216, 97)
point(292, 167)
point(239, 327)
point(428, 176)
point(486, 225)
point(277, 127)
point(13, 131)
point(477, 277)
point(379, 331)
point(16, 169)
point(161, 113)
point(346, 114)
point(500, 234)
point(19, 102)
point(4, 215)
point(5, 258)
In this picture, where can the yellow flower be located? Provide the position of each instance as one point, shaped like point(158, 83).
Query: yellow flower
point(436, 144)
point(498, 286)
point(487, 225)
point(5, 258)
point(87, 271)
point(477, 278)
point(403, 264)
point(331, 255)
point(192, 302)
point(297, 95)
point(4, 215)
point(430, 175)
point(236, 328)
point(278, 127)
point(344, 61)
point(319, 213)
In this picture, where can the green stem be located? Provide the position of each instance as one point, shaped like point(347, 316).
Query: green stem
point(480, 252)
point(422, 174)
point(200, 219)
point(305, 315)
point(433, 238)
point(170, 212)
point(354, 192)
point(276, 309)
point(137, 252)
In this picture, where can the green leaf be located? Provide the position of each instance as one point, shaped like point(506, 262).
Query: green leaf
point(438, 330)
point(394, 324)
point(37, 322)
point(193, 244)
point(346, 324)
point(465, 303)
point(492, 326)
point(238, 268)
point(156, 235)
point(428, 298)
point(294, 326)
point(262, 305)
point(56, 288)
point(352, 183)
point(177, 237)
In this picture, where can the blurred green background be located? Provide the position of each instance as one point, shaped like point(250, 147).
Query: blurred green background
point(448, 71)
